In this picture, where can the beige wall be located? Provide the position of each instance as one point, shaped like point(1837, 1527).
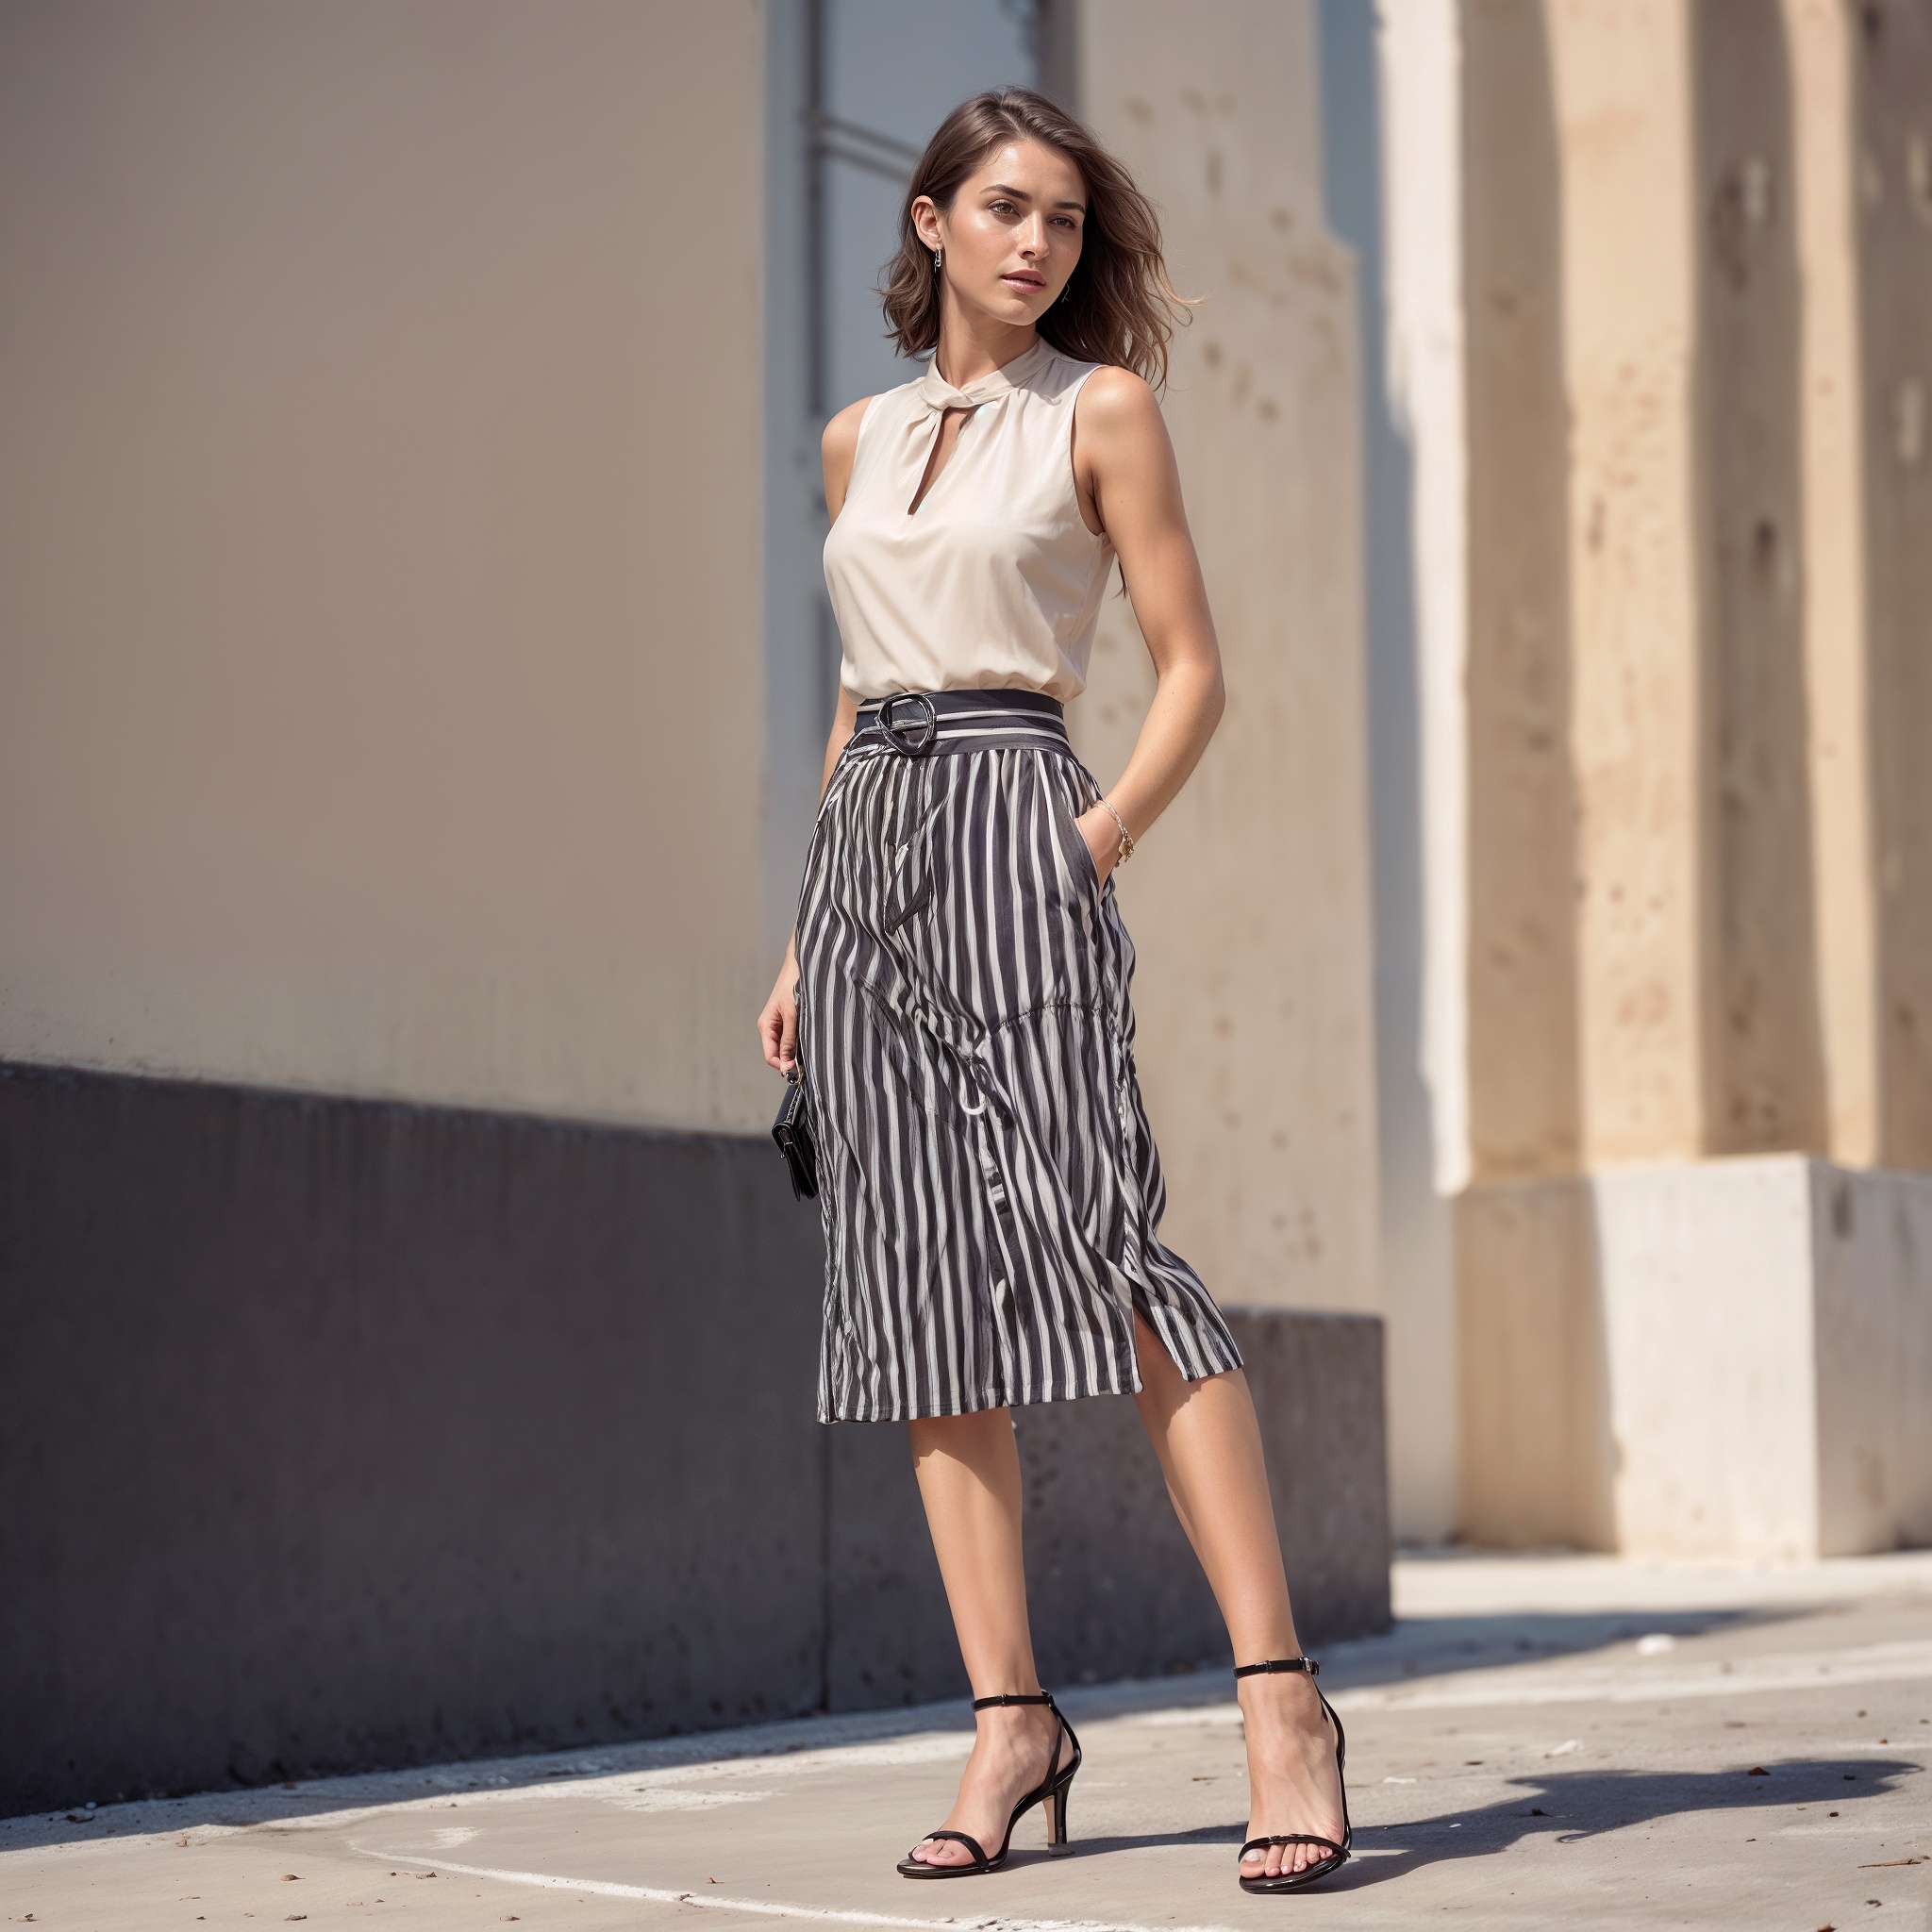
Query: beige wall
point(1249, 902)
point(379, 621)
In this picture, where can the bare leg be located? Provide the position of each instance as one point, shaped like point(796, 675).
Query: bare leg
point(969, 1478)
point(1209, 1447)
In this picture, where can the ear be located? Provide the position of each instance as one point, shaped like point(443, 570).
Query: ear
point(925, 219)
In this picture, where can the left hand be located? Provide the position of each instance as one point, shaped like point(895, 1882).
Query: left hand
point(1103, 836)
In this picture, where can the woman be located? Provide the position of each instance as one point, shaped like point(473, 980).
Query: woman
point(955, 996)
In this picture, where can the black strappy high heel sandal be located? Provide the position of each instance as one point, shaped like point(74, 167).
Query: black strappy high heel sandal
point(1051, 1792)
point(1323, 1868)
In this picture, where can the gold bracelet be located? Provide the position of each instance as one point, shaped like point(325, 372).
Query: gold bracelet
point(1126, 851)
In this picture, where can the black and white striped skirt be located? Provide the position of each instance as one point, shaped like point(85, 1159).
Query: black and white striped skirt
point(989, 1183)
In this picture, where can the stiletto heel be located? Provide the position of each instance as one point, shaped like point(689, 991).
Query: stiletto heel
point(1310, 1874)
point(1051, 1793)
point(1055, 1806)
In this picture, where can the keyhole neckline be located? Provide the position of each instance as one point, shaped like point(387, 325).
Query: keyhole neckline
point(929, 479)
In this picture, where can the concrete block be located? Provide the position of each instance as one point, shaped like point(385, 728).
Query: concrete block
point(1318, 1384)
point(1536, 1448)
point(1731, 1357)
point(1872, 1244)
point(1113, 1588)
point(1706, 1281)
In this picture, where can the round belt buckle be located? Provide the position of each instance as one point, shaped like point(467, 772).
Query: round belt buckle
point(927, 725)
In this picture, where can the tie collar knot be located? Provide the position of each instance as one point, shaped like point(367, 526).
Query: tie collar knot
point(935, 392)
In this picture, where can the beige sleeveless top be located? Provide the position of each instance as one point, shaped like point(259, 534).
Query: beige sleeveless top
point(995, 582)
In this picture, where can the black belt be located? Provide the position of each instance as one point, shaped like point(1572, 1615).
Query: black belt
point(909, 720)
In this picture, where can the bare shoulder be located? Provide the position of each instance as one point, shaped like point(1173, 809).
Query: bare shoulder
point(1117, 410)
point(1116, 390)
point(841, 438)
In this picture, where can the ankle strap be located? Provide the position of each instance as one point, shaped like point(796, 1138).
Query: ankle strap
point(1012, 1697)
point(1280, 1663)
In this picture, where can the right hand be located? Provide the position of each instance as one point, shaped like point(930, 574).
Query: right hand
point(779, 1023)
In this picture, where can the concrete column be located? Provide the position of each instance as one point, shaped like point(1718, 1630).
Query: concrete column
point(1837, 670)
point(1623, 90)
point(1249, 902)
point(1892, 106)
point(1639, 882)
point(1764, 1075)
point(1864, 149)
point(1525, 1100)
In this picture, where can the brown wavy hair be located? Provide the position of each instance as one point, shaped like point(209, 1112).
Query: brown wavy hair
point(1120, 306)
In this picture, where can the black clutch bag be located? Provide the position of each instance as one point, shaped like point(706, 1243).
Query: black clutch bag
point(793, 1132)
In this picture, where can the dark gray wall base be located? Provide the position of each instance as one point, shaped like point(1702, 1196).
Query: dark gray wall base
point(337, 1434)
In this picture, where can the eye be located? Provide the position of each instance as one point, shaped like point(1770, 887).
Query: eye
point(997, 206)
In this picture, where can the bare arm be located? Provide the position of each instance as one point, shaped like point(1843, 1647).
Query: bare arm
point(778, 1021)
point(1130, 484)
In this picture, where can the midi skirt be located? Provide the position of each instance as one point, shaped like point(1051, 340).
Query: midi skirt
point(989, 1183)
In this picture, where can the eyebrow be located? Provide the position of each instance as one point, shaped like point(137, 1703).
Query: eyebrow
point(1021, 194)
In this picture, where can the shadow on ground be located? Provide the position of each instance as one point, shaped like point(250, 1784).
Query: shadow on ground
point(1570, 1806)
point(1429, 1647)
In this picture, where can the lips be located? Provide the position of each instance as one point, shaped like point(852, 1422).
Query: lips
point(1031, 282)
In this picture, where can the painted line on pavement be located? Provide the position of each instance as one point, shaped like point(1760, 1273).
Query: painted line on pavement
point(774, 1909)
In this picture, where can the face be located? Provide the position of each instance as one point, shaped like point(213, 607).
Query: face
point(1012, 236)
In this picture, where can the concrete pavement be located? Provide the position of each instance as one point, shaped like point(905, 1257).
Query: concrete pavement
point(1539, 1739)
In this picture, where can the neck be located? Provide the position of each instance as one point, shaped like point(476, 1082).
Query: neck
point(973, 346)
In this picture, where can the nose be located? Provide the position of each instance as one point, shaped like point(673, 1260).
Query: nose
point(1034, 242)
